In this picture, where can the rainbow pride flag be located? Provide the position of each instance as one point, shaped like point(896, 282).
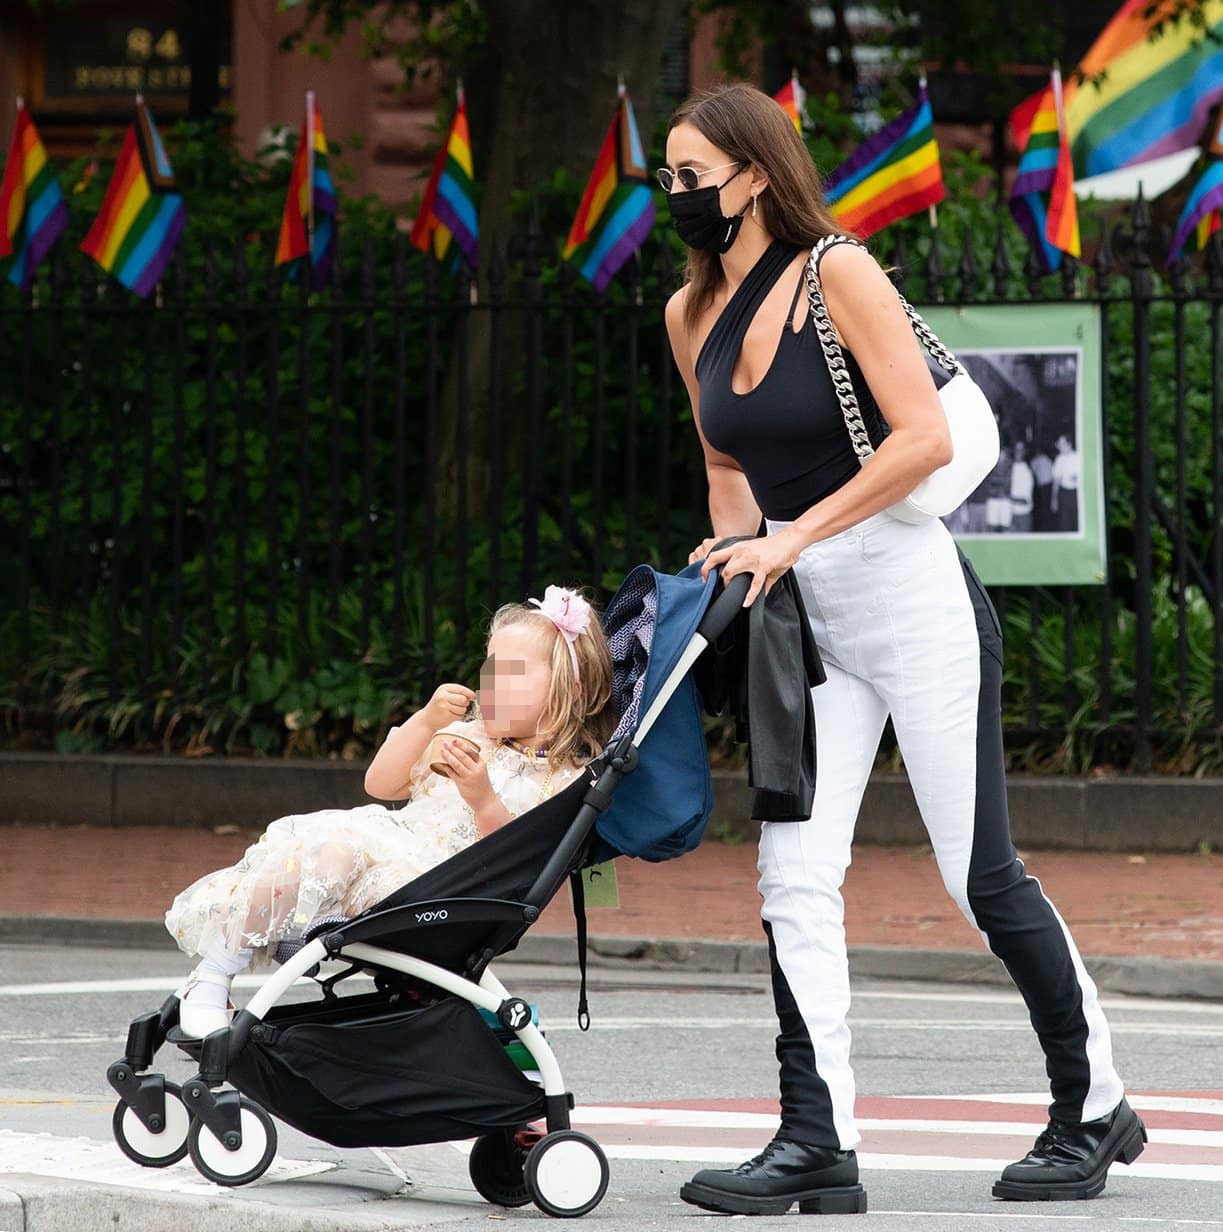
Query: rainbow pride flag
point(791, 97)
point(617, 209)
point(1200, 217)
point(135, 232)
point(32, 207)
point(1042, 197)
point(1209, 224)
point(448, 208)
point(1156, 94)
point(307, 226)
point(892, 175)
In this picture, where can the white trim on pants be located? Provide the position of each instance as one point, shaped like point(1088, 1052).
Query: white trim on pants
point(890, 607)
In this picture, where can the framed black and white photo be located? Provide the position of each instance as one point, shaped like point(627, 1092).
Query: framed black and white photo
point(1038, 517)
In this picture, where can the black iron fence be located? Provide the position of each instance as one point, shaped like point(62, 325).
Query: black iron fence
point(249, 514)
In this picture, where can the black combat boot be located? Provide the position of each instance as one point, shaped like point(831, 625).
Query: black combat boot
point(822, 1180)
point(1071, 1160)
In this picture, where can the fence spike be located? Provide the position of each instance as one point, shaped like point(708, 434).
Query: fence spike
point(533, 251)
point(1033, 273)
point(399, 265)
point(634, 278)
point(1140, 248)
point(368, 271)
point(465, 285)
point(568, 277)
point(497, 269)
point(1214, 263)
point(968, 271)
point(178, 264)
point(934, 269)
point(241, 270)
point(430, 278)
point(335, 276)
point(1001, 265)
point(899, 261)
point(666, 265)
point(1104, 261)
point(1070, 276)
point(1178, 270)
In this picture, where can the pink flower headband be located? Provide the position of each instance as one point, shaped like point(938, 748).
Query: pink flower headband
point(570, 613)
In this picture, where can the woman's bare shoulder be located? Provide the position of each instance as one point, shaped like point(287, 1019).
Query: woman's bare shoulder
point(845, 267)
point(674, 311)
point(677, 329)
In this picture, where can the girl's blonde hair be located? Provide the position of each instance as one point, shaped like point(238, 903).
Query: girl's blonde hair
point(578, 718)
point(751, 128)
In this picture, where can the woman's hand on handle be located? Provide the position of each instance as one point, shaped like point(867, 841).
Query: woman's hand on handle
point(765, 558)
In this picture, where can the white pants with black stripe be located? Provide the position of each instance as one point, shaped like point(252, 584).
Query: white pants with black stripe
point(905, 628)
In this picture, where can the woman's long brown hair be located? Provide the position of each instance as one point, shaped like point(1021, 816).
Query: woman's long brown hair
point(751, 128)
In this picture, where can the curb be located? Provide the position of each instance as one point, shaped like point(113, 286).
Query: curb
point(52, 1204)
point(1190, 979)
point(12, 1209)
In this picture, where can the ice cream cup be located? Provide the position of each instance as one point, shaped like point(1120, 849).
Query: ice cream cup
point(436, 762)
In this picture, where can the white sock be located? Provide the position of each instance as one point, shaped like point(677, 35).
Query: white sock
point(217, 960)
point(215, 973)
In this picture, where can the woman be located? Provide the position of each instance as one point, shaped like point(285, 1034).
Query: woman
point(904, 626)
point(1064, 480)
point(1022, 485)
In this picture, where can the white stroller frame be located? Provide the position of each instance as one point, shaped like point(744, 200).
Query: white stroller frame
point(232, 1140)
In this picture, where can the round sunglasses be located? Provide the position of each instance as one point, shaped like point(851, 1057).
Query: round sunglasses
point(689, 178)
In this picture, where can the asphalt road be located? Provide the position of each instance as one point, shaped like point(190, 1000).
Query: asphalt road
point(677, 1073)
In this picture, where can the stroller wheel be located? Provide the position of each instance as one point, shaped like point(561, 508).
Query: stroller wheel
point(496, 1170)
point(141, 1145)
point(567, 1174)
point(250, 1161)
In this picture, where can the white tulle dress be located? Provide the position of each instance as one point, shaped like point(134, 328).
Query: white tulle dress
point(342, 861)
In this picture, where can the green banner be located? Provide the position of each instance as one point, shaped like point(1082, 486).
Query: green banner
point(1038, 517)
point(600, 885)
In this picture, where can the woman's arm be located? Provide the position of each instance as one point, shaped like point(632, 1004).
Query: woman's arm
point(732, 507)
point(389, 774)
point(870, 320)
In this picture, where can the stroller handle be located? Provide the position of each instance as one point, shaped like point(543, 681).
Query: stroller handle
point(723, 610)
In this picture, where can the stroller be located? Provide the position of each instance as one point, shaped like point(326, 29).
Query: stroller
point(414, 1061)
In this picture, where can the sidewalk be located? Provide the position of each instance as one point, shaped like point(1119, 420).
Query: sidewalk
point(1119, 906)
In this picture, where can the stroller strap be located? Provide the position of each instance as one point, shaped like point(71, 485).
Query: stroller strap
point(578, 892)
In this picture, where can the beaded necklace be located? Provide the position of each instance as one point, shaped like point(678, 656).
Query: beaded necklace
point(524, 749)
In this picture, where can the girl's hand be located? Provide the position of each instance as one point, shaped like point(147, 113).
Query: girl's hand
point(448, 704)
point(469, 774)
point(765, 558)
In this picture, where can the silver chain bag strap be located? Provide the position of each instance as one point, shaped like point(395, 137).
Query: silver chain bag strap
point(970, 420)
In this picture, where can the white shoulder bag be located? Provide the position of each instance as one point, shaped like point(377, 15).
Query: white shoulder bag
point(970, 420)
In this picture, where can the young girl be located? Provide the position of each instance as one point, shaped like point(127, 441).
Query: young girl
point(544, 710)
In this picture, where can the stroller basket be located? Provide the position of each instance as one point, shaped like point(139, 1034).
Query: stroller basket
point(375, 1076)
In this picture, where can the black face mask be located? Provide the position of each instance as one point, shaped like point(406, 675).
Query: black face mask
point(698, 219)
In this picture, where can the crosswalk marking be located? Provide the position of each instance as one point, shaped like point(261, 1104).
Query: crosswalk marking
point(920, 1134)
point(928, 1133)
point(85, 1159)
